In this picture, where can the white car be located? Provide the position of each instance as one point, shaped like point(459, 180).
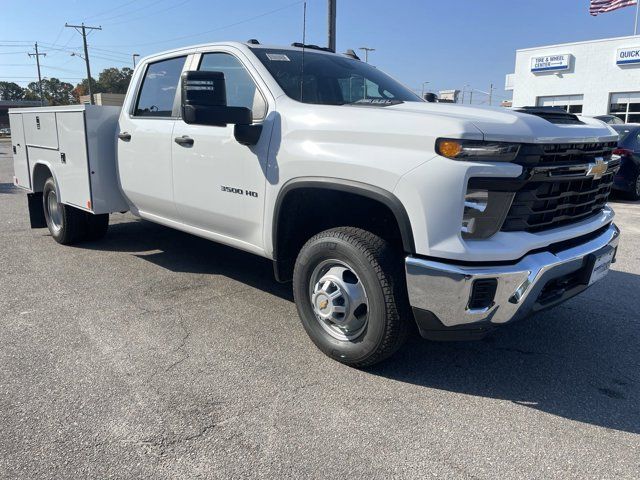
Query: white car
point(381, 208)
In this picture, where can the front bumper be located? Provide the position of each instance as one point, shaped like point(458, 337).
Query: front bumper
point(441, 293)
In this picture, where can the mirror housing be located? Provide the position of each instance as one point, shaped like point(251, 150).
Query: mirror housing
point(204, 101)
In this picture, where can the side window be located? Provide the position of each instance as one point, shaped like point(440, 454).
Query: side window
point(159, 88)
point(241, 90)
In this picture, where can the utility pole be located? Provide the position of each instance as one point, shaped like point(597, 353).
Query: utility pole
point(471, 96)
point(490, 94)
point(366, 52)
point(134, 59)
point(331, 26)
point(37, 55)
point(82, 29)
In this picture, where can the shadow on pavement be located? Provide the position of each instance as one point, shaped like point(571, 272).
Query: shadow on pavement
point(580, 361)
point(181, 252)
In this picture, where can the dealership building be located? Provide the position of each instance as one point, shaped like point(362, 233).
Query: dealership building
point(590, 78)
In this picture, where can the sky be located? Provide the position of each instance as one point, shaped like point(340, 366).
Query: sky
point(448, 43)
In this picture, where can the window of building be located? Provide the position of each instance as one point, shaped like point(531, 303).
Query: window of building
point(159, 88)
point(570, 103)
point(626, 106)
point(241, 90)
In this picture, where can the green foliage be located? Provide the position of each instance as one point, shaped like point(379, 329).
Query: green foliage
point(11, 91)
point(55, 91)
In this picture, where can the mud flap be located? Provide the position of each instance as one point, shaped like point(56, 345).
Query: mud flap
point(36, 210)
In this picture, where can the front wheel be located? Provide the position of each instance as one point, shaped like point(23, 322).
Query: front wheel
point(350, 293)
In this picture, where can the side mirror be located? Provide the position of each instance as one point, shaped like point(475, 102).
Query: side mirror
point(204, 101)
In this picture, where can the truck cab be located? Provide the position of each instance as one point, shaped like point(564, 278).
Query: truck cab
point(382, 209)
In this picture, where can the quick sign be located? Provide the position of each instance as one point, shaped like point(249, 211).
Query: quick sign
point(628, 56)
point(550, 63)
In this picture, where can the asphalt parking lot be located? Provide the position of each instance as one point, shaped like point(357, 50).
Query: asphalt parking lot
point(155, 354)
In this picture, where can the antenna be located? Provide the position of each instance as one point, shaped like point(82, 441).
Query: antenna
point(304, 41)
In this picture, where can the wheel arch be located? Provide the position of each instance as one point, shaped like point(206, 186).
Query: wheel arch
point(353, 188)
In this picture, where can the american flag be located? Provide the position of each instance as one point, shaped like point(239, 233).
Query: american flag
point(603, 6)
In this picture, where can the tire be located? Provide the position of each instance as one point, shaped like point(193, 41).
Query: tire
point(96, 225)
point(634, 194)
point(66, 224)
point(332, 270)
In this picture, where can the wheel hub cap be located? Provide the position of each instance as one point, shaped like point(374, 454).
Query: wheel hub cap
point(339, 300)
point(54, 210)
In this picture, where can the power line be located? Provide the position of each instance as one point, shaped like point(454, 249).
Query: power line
point(213, 29)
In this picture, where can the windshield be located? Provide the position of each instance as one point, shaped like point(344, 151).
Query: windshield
point(332, 79)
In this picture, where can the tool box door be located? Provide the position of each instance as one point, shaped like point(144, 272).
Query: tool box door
point(21, 177)
point(73, 170)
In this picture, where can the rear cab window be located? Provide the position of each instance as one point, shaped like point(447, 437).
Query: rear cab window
point(159, 87)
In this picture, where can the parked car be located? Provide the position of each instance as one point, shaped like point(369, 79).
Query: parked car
point(610, 119)
point(627, 179)
point(5, 132)
point(380, 208)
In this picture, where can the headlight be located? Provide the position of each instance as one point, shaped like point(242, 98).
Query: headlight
point(484, 212)
point(477, 150)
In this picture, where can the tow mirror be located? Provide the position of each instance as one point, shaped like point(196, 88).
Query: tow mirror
point(204, 101)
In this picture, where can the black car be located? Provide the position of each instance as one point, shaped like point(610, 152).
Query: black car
point(628, 177)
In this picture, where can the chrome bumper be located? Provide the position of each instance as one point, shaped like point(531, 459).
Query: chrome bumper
point(444, 289)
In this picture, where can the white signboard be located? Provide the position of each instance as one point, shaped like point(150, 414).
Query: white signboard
point(628, 56)
point(549, 63)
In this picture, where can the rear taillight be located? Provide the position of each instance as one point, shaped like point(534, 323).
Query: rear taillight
point(623, 152)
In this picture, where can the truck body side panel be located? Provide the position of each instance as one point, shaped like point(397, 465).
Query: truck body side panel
point(21, 176)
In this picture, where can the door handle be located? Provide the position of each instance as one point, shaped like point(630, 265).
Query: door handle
point(124, 136)
point(184, 140)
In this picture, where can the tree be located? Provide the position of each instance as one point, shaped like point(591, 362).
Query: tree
point(115, 80)
point(11, 91)
point(55, 91)
point(83, 89)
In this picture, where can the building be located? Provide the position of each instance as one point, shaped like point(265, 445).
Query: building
point(591, 78)
point(106, 99)
point(5, 105)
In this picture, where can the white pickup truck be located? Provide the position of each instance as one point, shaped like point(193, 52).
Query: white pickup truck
point(383, 210)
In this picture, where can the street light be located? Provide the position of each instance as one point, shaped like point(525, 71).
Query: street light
point(423, 84)
point(366, 52)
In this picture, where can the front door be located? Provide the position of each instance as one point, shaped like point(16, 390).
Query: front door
point(218, 183)
point(145, 140)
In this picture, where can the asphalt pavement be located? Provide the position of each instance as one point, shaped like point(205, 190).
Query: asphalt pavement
point(156, 354)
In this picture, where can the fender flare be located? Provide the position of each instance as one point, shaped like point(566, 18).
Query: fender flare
point(369, 191)
point(53, 174)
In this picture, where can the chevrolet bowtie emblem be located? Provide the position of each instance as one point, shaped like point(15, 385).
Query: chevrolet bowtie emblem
point(597, 169)
point(323, 304)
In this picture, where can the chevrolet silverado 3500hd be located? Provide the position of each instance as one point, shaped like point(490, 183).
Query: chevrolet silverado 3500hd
point(381, 208)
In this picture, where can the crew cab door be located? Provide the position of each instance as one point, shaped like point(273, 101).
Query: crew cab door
point(218, 183)
point(145, 139)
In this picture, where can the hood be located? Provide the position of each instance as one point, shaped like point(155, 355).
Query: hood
point(502, 124)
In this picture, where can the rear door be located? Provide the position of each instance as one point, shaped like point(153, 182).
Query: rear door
point(21, 175)
point(145, 139)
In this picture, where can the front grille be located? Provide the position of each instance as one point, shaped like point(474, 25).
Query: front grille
point(554, 189)
point(549, 204)
point(564, 153)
